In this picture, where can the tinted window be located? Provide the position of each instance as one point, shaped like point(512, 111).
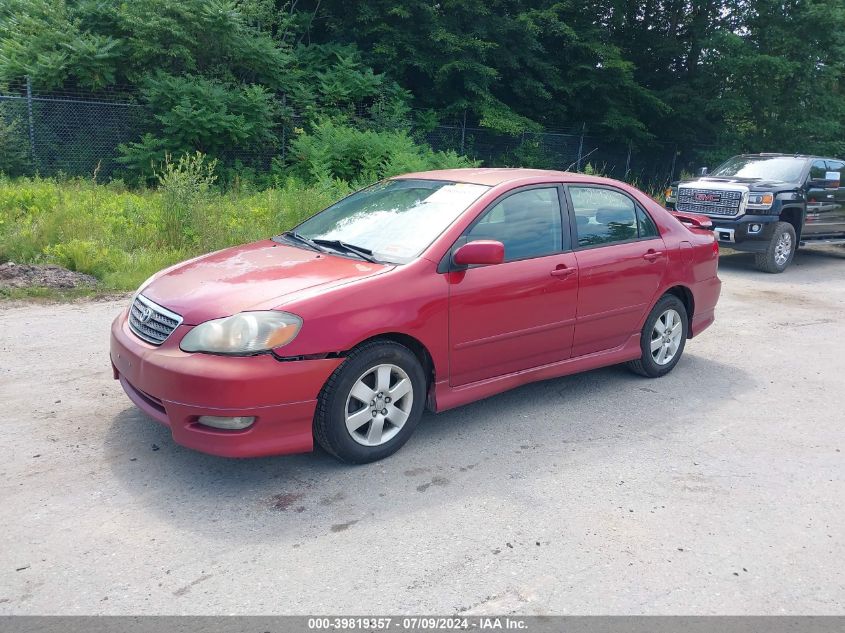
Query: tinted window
point(603, 216)
point(839, 167)
point(527, 223)
point(818, 169)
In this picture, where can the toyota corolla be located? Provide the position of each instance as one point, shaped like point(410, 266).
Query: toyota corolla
point(424, 291)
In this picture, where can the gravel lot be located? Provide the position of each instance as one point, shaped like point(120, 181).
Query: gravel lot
point(718, 489)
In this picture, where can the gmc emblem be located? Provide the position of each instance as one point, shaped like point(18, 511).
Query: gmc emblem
point(708, 197)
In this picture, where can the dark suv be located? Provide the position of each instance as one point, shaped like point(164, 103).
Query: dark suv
point(769, 204)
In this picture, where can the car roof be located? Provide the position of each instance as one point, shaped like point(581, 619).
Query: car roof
point(493, 176)
point(781, 155)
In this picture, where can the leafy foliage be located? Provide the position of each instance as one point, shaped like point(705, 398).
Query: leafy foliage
point(218, 76)
point(185, 184)
point(337, 152)
point(225, 77)
point(201, 115)
point(14, 153)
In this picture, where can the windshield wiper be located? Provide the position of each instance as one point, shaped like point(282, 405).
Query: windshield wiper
point(296, 237)
point(364, 253)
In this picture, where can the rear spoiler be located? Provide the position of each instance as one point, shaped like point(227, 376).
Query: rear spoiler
point(693, 219)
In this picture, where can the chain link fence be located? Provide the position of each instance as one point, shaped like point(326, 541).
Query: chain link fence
point(570, 150)
point(75, 134)
point(66, 133)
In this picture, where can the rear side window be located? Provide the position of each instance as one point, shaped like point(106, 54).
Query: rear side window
point(839, 167)
point(646, 225)
point(603, 216)
point(527, 222)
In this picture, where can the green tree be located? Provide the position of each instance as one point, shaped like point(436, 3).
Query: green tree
point(512, 64)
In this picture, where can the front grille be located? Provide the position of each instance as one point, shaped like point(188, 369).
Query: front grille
point(723, 202)
point(151, 322)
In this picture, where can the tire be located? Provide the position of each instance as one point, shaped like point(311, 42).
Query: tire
point(351, 396)
point(780, 251)
point(650, 364)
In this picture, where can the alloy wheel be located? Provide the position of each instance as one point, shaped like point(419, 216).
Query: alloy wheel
point(783, 249)
point(666, 337)
point(379, 404)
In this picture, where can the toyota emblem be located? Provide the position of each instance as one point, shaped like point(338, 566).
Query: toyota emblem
point(146, 314)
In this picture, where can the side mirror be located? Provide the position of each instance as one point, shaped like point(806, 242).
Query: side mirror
point(479, 252)
point(703, 171)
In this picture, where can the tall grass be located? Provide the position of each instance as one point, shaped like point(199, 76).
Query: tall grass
point(122, 236)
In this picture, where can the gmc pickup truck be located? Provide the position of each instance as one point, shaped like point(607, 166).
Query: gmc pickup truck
point(769, 204)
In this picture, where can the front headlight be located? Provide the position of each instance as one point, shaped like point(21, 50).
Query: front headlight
point(761, 200)
point(670, 194)
point(243, 334)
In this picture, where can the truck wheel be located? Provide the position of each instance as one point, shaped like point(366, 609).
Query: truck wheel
point(371, 404)
point(780, 251)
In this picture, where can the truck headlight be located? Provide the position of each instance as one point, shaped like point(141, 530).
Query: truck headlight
point(761, 200)
point(243, 334)
point(671, 193)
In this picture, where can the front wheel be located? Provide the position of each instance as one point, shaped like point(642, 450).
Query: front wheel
point(780, 250)
point(371, 404)
point(662, 339)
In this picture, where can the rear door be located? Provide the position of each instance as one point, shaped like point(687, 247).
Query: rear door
point(521, 313)
point(621, 260)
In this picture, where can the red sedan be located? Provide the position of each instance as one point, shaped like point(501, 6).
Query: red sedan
point(429, 290)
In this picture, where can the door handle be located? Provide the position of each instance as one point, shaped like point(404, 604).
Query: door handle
point(563, 271)
point(652, 255)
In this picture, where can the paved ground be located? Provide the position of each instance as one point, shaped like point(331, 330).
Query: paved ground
point(718, 489)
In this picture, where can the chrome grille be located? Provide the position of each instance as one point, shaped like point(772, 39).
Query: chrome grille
point(151, 322)
point(722, 202)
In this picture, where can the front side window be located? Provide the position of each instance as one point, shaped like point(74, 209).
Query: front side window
point(818, 170)
point(528, 223)
point(604, 216)
point(395, 219)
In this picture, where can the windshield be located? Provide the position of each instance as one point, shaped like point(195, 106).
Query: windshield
point(783, 168)
point(395, 219)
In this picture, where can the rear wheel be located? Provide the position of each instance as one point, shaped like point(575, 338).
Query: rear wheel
point(662, 339)
point(371, 404)
point(780, 251)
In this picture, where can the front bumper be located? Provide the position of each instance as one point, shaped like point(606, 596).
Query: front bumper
point(737, 234)
point(175, 388)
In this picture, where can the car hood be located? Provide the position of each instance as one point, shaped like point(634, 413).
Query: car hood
point(752, 183)
point(258, 276)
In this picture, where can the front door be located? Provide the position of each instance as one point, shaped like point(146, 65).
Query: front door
point(838, 220)
point(521, 313)
point(621, 260)
point(825, 207)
